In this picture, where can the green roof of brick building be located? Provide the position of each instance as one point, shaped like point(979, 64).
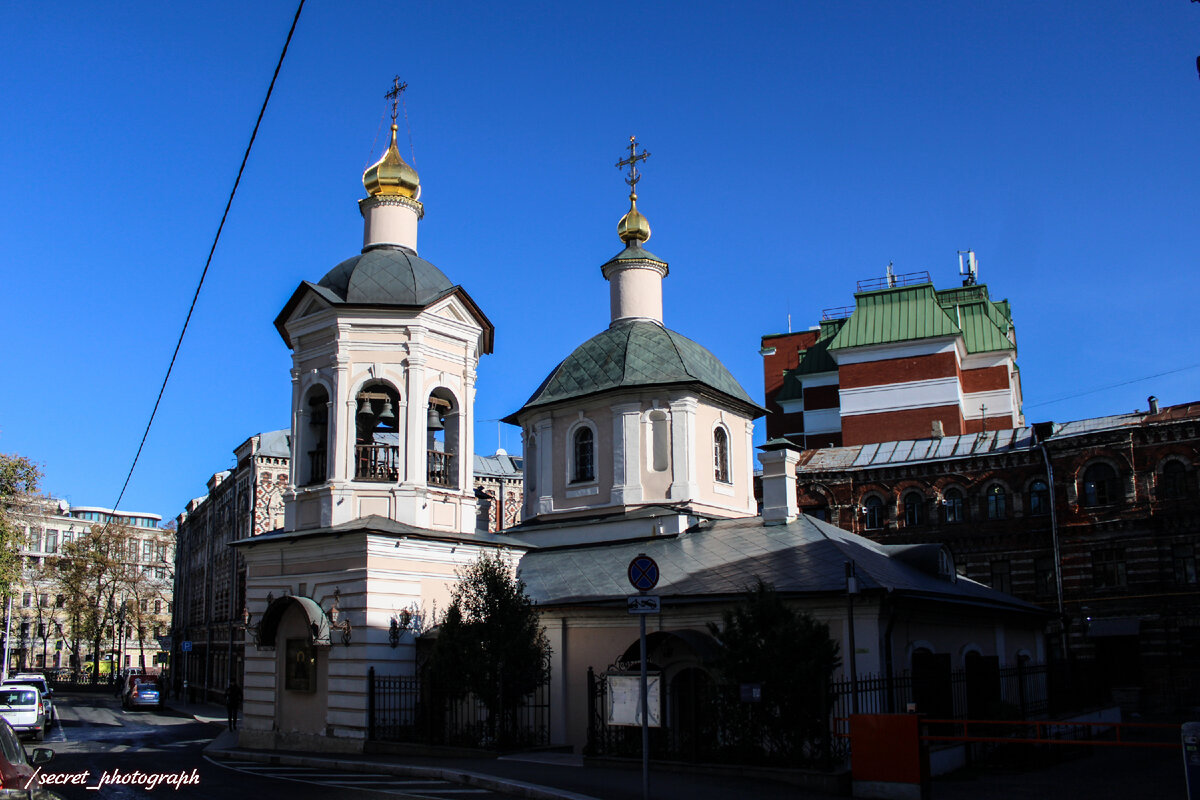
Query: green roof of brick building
point(915, 312)
point(813, 361)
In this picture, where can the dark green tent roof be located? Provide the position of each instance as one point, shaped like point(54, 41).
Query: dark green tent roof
point(387, 275)
point(635, 353)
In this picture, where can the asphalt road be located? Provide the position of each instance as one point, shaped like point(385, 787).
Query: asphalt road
point(113, 754)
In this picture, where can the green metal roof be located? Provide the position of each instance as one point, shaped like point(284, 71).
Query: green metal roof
point(894, 315)
point(920, 312)
point(635, 353)
point(813, 361)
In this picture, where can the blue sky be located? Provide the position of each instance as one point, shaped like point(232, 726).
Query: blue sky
point(796, 149)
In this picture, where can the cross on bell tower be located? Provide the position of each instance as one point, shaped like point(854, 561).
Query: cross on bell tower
point(398, 87)
point(631, 162)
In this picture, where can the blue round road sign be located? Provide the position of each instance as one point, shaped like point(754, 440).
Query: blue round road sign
point(643, 573)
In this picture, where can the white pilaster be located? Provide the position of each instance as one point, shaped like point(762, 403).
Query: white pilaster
point(683, 449)
point(627, 453)
point(544, 431)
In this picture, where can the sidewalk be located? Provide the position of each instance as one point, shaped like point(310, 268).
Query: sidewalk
point(1106, 773)
point(538, 776)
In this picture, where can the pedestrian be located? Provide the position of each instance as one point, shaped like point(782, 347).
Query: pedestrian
point(233, 699)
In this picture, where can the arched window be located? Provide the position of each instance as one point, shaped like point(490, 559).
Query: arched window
point(1039, 498)
point(1172, 481)
point(873, 513)
point(721, 455)
point(997, 502)
point(953, 508)
point(914, 509)
point(584, 450)
point(1099, 485)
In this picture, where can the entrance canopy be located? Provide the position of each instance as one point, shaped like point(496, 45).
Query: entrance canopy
point(318, 623)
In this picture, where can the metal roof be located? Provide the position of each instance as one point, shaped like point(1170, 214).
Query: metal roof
point(894, 315)
point(905, 313)
point(276, 444)
point(391, 275)
point(726, 557)
point(915, 450)
point(635, 353)
point(500, 465)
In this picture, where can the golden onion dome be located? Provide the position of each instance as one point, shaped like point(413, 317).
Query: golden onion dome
point(633, 227)
point(390, 175)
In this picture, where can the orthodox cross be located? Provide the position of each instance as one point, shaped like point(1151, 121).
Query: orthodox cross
point(398, 88)
point(631, 162)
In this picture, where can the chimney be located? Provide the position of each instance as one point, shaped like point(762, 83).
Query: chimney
point(779, 483)
point(1153, 404)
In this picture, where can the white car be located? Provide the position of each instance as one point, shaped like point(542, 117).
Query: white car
point(38, 680)
point(21, 704)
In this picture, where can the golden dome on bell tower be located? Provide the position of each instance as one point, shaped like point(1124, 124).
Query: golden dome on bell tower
point(390, 175)
point(633, 227)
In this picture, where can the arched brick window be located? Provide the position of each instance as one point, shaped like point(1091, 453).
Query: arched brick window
point(954, 507)
point(914, 509)
point(1039, 498)
point(1099, 485)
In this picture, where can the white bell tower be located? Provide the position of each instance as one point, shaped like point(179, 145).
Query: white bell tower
point(384, 352)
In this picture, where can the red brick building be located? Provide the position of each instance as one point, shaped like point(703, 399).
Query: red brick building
point(1096, 520)
point(905, 362)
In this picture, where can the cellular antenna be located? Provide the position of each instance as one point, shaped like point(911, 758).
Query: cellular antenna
point(968, 267)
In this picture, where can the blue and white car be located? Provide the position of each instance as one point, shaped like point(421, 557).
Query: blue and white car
point(21, 705)
point(38, 680)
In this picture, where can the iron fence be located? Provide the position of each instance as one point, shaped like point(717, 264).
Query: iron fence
point(407, 709)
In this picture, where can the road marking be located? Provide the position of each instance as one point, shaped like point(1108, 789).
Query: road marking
point(433, 788)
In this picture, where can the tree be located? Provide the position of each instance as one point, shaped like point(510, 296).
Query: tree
point(19, 478)
point(90, 575)
point(491, 643)
point(791, 657)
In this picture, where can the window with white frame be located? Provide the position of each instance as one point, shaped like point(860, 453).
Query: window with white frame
point(721, 455)
point(583, 451)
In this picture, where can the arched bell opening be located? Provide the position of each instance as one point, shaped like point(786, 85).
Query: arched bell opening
point(443, 440)
point(313, 466)
point(377, 433)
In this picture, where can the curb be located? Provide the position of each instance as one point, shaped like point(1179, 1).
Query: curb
point(532, 791)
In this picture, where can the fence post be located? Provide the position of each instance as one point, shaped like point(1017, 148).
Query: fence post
point(371, 704)
point(591, 712)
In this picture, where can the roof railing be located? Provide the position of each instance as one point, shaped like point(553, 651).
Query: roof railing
point(837, 313)
point(894, 281)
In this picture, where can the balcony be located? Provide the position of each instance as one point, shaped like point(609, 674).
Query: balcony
point(377, 462)
point(316, 465)
point(441, 469)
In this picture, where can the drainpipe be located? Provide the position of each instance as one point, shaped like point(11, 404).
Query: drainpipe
point(232, 577)
point(1058, 581)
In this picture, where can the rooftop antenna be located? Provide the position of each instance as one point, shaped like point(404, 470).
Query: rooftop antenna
point(968, 267)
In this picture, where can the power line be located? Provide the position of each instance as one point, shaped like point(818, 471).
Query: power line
point(1111, 386)
point(211, 250)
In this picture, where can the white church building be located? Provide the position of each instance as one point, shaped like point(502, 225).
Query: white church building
point(640, 440)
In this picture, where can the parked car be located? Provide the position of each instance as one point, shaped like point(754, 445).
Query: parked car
point(141, 691)
point(18, 770)
point(21, 705)
point(38, 680)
